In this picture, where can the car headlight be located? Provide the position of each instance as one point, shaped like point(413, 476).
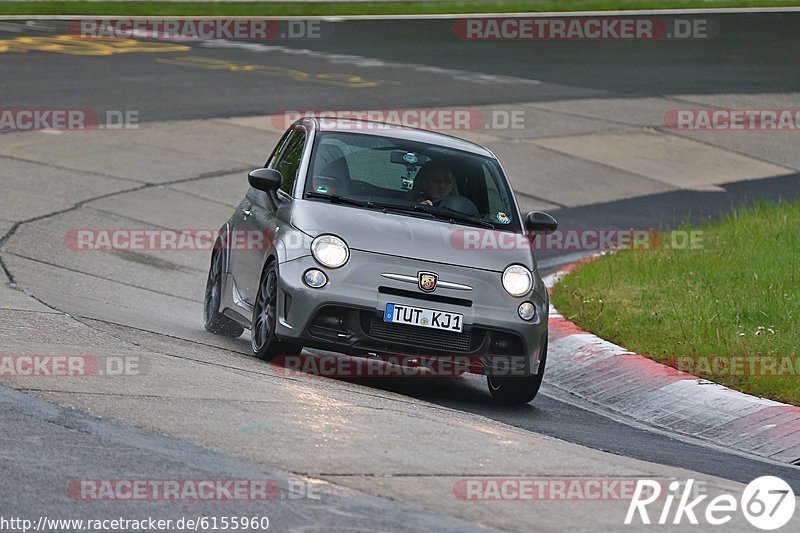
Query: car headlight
point(517, 280)
point(330, 251)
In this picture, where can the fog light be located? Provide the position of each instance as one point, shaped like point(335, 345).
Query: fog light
point(526, 311)
point(315, 278)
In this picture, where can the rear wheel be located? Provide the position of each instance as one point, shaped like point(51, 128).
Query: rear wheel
point(517, 390)
point(213, 320)
point(265, 344)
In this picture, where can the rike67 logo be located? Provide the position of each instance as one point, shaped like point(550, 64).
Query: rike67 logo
point(767, 503)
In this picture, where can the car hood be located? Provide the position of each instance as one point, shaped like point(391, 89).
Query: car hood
point(371, 230)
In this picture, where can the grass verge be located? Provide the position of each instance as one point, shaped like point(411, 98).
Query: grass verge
point(728, 311)
point(360, 8)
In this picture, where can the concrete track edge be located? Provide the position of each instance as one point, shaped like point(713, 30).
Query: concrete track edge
point(639, 388)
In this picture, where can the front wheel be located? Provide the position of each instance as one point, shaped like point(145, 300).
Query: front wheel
point(263, 341)
point(517, 390)
point(213, 320)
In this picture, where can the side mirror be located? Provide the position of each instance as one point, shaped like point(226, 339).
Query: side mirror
point(265, 179)
point(538, 222)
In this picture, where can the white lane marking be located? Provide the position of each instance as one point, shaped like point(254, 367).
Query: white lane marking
point(370, 62)
point(10, 26)
point(18, 27)
point(33, 25)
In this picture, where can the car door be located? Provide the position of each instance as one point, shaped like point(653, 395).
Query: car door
point(258, 212)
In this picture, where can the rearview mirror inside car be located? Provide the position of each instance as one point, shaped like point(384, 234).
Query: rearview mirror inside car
point(402, 157)
point(539, 222)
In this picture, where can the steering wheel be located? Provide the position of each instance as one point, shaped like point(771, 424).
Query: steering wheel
point(457, 203)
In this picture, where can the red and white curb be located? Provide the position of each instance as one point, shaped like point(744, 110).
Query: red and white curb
point(634, 386)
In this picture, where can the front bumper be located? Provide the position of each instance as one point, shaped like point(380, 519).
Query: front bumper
point(346, 315)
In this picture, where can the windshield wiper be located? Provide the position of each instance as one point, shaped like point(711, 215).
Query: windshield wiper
point(468, 219)
point(453, 216)
point(421, 209)
point(402, 209)
point(336, 199)
point(432, 212)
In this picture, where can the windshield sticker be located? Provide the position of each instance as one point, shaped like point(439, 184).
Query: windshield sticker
point(502, 218)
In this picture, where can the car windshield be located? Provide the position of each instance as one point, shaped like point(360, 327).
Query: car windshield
point(406, 177)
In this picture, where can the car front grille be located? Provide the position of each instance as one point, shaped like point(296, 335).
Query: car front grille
point(425, 296)
point(422, 337)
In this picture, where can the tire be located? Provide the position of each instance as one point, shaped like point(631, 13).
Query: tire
point(515, 390)
point(213, 320)
point(263, 341)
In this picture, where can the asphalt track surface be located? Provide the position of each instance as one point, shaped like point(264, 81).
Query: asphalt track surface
point(754, 54)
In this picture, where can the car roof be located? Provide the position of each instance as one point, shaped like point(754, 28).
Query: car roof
point(370, 127)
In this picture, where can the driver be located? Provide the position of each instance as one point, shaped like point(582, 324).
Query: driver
point(437, 182)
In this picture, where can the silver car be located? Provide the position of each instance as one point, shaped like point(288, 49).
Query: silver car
point(378, 240)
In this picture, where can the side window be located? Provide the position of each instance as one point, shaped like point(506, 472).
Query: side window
point(495, 201)
point(277, 151)
point(289, 162)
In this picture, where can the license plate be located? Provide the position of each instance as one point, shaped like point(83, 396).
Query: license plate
point(426, 318)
